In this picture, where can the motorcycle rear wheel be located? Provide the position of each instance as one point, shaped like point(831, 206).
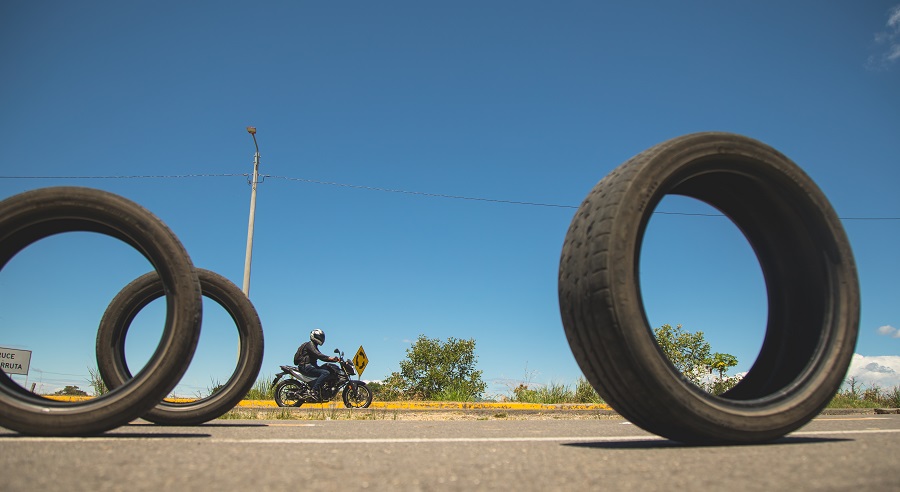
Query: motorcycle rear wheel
point(357, 395)
point(288, 393)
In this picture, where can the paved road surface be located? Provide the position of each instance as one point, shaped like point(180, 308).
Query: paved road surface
point(846, 453)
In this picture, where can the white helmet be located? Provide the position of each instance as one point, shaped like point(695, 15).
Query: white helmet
point(317, 336)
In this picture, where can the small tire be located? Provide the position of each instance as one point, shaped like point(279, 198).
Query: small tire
point(357, 395)
point(288, 393)
point(31, 216)
point(806, 260)
point(113, 367)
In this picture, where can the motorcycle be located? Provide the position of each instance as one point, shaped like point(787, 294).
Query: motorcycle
point(295, 390)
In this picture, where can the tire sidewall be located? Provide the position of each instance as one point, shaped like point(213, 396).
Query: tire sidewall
point(660, 170)
point(146, 288)
point(28, 217)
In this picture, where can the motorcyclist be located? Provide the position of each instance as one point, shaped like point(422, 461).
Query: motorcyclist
point(307, 360)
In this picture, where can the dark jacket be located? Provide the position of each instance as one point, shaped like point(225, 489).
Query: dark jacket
point(308, 353)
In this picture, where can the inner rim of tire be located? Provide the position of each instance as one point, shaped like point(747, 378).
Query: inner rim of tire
point(780, 229)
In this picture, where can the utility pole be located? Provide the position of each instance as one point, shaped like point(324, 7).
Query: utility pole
point(252, 131)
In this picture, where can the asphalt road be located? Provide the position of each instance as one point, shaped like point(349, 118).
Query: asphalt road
point(838, 452)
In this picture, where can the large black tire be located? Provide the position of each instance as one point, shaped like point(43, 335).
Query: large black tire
point(288, 393)
point(112, 362)
point(805, 257)
point(34, 215)
point(357, 395)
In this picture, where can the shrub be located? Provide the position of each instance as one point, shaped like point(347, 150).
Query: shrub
point(585, 393)
point(262, 389)
point(858, 396)
point(432, 368)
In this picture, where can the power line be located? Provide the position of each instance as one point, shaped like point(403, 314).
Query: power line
point(419, 193)
point(375, 188)
point(138, 176)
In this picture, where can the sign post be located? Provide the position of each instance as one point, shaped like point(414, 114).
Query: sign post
point(14, 361)
point(360, 361)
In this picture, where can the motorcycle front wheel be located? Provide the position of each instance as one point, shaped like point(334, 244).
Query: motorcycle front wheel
point(357, 395)
point(288, 393)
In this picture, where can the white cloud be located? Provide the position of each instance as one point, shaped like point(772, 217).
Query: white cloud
point(888, 42)
point(888, 331)
point(875, 370)
point(894, 17)
point(893, 54)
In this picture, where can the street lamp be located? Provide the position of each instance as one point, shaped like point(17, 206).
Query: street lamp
point(252, 131)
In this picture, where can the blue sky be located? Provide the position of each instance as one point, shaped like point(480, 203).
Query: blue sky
point(516, 101)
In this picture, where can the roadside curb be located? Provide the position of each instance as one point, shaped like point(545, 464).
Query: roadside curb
point(480, 406)
point(431, 405)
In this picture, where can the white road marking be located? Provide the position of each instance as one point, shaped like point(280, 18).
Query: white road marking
point(843, 432)
point(408, 440)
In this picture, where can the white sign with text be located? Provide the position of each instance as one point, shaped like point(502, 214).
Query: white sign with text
point(14, 361)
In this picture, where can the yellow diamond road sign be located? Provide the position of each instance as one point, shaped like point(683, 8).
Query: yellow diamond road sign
point(360, 361)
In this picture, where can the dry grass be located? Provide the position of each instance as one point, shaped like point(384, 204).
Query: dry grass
point(319, 412)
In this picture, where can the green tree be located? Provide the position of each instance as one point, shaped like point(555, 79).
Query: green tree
point(436, 370)
point(71, 391)
point(691, 354)
point(722, 362)
point(722, 383)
